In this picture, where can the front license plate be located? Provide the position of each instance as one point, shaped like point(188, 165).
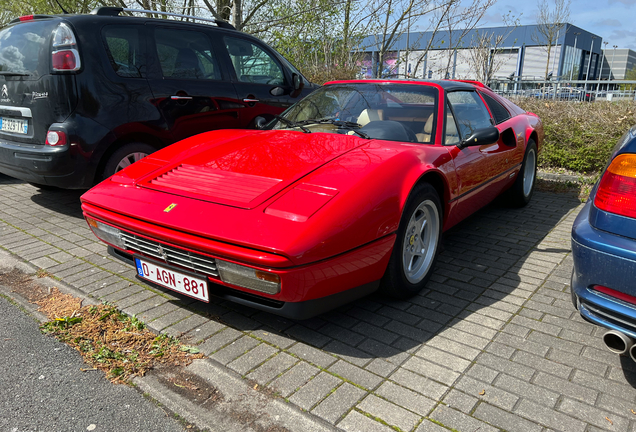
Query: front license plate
point(14, 125)
point(189, 285)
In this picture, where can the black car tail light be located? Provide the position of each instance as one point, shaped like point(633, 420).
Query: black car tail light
point(65, 57)
point(55, 138)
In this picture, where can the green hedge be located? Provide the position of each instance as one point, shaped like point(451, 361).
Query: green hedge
point(580, 136)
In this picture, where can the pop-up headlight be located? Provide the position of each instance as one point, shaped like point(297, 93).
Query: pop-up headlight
point(248, 277)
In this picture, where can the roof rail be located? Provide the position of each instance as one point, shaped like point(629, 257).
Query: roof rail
point(115, 11)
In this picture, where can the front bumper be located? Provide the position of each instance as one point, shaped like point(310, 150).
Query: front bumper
point(602, 258)
point(306, 290)
point(295, 310)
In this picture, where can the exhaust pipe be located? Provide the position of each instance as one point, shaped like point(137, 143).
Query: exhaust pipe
point(632, 352)
point(619, 343)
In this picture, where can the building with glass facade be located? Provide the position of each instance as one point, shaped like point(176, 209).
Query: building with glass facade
point(616, 63)
point(520, 52)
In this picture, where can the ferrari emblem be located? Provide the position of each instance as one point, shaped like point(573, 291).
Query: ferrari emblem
point(162, 253)
point(412, 240)
point(170, 207)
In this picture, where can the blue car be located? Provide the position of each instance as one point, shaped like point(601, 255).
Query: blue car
point(604, 251)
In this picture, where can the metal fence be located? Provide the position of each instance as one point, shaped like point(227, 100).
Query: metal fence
point(588, 91)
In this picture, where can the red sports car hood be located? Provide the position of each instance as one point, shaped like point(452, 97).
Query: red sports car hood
point(243, 168)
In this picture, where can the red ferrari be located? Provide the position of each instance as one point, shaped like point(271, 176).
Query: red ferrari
point(346, 193)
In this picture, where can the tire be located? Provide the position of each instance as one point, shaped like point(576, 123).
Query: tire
point(521, 191)
point(408, 272)
point(124, 156)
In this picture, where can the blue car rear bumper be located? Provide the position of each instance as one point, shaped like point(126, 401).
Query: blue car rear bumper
point(602, 258)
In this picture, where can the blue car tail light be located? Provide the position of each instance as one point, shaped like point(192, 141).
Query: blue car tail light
point(617, 190)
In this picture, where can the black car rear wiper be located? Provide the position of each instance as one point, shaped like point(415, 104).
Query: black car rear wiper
point(353, 126)
point(293, 124)
point(9, 73)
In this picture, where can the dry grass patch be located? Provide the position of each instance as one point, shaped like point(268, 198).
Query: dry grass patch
point(110, 340)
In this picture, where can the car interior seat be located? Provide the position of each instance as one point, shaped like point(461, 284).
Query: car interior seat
point(368, 115)
point(452, 135)
point(425, 136)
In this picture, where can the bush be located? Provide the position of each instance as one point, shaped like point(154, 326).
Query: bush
point(580, 136)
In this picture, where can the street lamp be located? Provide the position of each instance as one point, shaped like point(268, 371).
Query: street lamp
point(600, 77)
point(604, 43)
point(612, 66)
point(576, 35)
point(589, 64)
point(408, 34)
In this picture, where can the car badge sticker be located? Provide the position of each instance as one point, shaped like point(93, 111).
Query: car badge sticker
point(170, 207)
point(412, 240)
point(5, 93)
point(38, 95)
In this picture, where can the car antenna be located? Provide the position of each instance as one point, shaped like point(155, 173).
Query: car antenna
point(61, 7)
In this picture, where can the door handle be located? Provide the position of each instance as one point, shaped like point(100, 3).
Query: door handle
point(181, 97)
point(250, 100)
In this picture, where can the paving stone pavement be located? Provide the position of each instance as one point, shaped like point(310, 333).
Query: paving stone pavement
point(492, 344)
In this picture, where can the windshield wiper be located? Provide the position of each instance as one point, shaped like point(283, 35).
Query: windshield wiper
point(293, 124)
point(353, 126)
point(9, 73)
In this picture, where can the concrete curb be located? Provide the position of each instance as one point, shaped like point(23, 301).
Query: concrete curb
point(563, 178)
point(241, 409)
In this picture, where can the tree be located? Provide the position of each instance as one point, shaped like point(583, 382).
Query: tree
point(391, 18)
point(312, 38)
point(460, 22)
point(550, 22)
point(486, 54)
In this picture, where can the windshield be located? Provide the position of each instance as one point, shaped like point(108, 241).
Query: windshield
point(24, 46)
point(395, 112)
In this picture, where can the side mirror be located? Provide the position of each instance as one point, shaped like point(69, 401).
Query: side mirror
point(298, 85)
point(259, 122)
point(485, 136)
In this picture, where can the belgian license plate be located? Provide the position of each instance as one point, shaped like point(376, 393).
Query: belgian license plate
point(189, 285)
point(14, 125)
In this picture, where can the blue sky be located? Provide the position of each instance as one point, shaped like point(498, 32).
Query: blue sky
point(613, 20)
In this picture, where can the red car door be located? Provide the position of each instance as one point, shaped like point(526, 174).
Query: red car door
point(481, 170)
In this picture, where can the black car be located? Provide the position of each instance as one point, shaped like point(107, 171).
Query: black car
point(82, 96)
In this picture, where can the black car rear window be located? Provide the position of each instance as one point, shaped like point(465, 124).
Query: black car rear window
point(24, 48)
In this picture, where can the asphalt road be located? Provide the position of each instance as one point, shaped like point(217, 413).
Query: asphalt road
point(42, 388)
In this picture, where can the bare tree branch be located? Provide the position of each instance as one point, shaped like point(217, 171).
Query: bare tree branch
point(549, 23)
